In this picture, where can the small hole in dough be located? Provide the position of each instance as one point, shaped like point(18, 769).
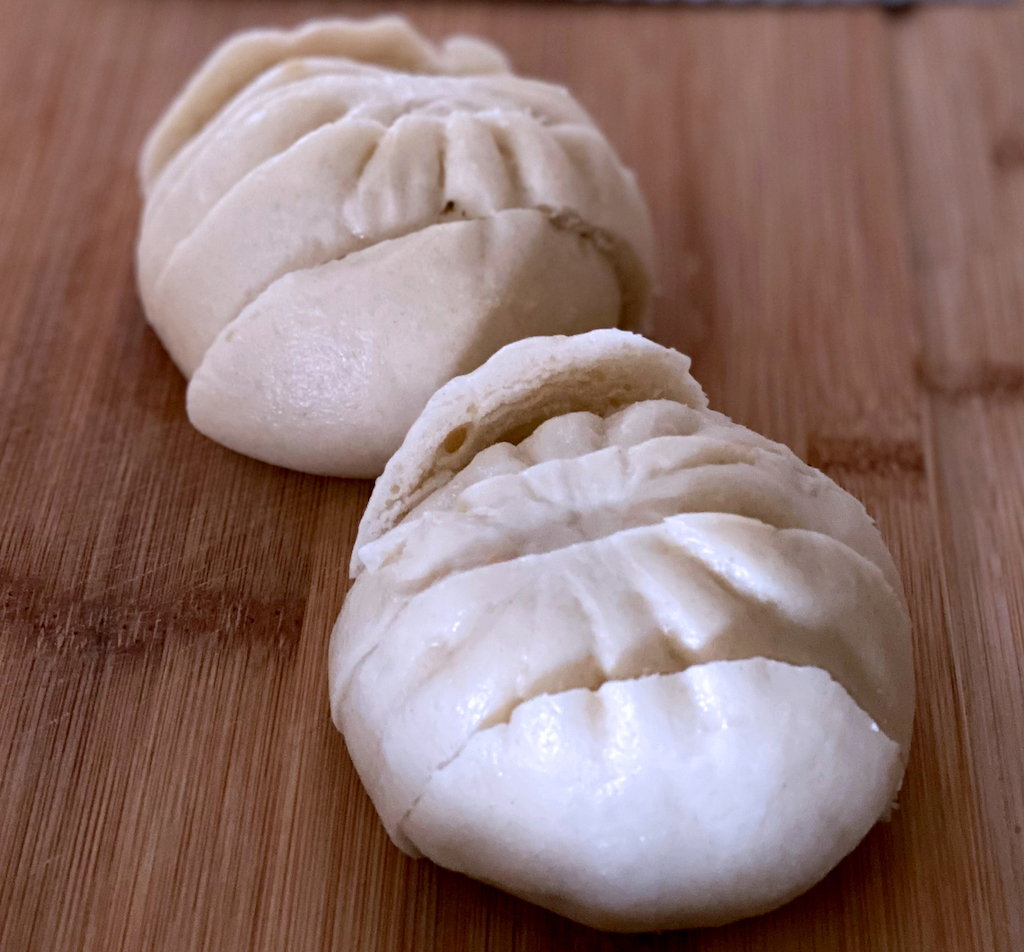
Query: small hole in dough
point(454, 440)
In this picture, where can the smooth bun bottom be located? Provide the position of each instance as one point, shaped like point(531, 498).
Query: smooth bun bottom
point(667, 802)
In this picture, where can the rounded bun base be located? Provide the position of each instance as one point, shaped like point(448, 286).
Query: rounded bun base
point(666, 802)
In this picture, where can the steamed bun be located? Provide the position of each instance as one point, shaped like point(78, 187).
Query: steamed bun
point(614, 653)
point(340, 218)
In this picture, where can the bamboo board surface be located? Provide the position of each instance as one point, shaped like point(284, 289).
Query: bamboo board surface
point(839, 202)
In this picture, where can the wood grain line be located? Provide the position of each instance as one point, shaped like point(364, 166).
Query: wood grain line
point(988, 379)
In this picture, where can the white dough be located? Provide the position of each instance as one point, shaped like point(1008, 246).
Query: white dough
point(623, 658)
point(306, 376)
point(671, 801)
point(299, 255)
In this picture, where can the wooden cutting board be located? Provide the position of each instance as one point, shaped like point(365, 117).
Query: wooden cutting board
point(839, 203)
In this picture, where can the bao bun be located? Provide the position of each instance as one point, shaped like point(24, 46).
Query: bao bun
point(614, 653)
point(341, 218)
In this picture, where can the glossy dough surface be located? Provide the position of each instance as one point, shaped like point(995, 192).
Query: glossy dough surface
point(637, 664)
point(340, 218)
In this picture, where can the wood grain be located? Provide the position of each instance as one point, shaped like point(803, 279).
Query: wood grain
point(839, 202)
point(960, 93)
